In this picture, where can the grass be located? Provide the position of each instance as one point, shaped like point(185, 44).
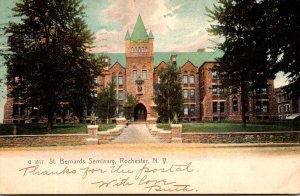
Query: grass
point(235, 127)
point(59, 128)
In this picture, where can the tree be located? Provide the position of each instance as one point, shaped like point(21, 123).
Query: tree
point(168, 93)
point(283, 30)
point(131, 102)
point(48, 62)
point(244, 65)
point(105, 105)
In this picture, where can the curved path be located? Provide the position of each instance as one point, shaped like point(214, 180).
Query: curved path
point(136, 133)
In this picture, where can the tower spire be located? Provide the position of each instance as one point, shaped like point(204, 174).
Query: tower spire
point(139, 31)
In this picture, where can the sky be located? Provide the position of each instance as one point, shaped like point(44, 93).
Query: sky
point(177, 25)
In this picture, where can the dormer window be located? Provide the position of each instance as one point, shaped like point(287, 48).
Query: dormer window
point(106, 59)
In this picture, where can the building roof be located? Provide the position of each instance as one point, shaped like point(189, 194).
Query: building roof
point(196, 58)
point(151, 35)
point(127, 37)
point(139, 31)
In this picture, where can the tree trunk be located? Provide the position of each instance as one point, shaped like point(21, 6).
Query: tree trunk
point(243, 103)
point(50, 120)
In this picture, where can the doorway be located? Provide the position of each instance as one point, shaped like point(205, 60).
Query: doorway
point(140, 112)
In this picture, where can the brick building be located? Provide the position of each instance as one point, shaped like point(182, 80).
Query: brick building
point(286, 106)
point(136, 71)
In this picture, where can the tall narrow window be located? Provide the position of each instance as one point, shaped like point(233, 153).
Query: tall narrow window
point(114, 79)
point(222, 107)
point(186, 109)
point(214, 89)
point(192, 79)
point(221, 89)
point(234, 104)
point(121, 95)
point(144, 74)
point(192, 109)
point(214, 107)
point(185, 79)
point(185, 93)
point(192, 93)
point(134, 74)
point(120, 80)
point(214, 74)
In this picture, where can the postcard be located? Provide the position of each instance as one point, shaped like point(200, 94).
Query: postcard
point(145, 110)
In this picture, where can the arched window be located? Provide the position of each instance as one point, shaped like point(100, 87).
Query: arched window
point(142, 49)
point(132, 49)
point(139, 49)
point(234, 104)
point(135, 49)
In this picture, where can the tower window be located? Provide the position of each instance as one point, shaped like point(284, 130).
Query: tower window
point(134, 74)
point(144, 74)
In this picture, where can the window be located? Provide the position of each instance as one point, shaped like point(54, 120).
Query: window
point(131, 49)
point(214, 89)
point(114, 79)
point(144, 74)
point(214, 74)
point(215, 107)
point(261, 106)
point(146, 49)
point(121, 95)
point(134, 74)
point(185, 79)
point(192, 93)
point(234, 104)
point(221, 89)
point(142, 49)
point(192, 79)
point(192, 108)
point(120, 81)
point(222, 107)
point(186, 109)
point(158, 79)
point(264, 91)
point(185, 93)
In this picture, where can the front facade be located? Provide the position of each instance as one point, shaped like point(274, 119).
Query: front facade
point(204, 97)
point(136, 72)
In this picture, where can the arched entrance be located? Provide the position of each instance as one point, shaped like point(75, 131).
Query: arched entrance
point(140, 112)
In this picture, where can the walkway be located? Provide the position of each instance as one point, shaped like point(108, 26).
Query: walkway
point(136, 133)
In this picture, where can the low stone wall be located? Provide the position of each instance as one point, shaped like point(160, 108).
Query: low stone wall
point(163, 135)
point(42, 140)
point(242, 137)
point(105, 137)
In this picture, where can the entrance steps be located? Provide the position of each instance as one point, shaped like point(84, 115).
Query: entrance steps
point(136, 133)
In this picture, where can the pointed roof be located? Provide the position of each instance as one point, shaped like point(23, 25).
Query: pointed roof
point(151, 35)
point(127, 37)
point(139, 32)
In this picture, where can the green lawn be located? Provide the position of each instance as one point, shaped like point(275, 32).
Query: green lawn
point(59, 128)
point(234, 127)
